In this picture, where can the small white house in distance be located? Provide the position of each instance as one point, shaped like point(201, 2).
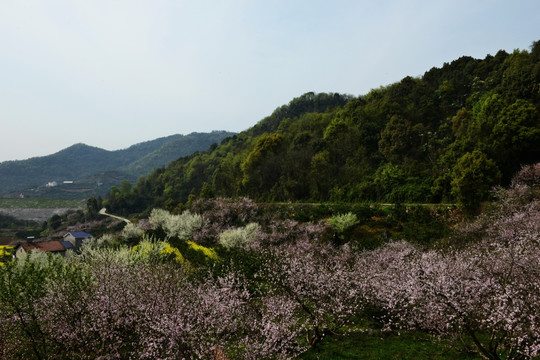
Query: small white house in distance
point(76, 238)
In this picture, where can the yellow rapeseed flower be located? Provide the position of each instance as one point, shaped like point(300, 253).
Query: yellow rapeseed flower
point(209, 253)
point(171, 250)
point(5, 251)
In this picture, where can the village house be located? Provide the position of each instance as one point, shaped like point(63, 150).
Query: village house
point(76, 238)
point(72, 241)
point(54, 247)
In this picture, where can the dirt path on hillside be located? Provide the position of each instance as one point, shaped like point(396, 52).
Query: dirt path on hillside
point(104, 212)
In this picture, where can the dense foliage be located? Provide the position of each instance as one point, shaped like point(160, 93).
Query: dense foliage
point(204, 272)
point(448, 135)
point(229, 280)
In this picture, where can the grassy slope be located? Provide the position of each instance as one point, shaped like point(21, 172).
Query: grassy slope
point(377, 345)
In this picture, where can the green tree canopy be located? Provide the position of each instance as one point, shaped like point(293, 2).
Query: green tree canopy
point(473, 177)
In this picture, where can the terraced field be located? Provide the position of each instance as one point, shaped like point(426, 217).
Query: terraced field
point(39, 209)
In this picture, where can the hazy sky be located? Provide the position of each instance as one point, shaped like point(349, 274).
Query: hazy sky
point(112, 73)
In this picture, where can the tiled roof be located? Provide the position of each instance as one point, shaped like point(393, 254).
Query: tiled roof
point(6, 241)
point(79, 234)
point(47, 246)
point(67, 244)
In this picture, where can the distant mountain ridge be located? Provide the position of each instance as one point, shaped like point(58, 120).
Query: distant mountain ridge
point(81, 161)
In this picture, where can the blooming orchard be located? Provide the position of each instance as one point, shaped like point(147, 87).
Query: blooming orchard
point(271, 288)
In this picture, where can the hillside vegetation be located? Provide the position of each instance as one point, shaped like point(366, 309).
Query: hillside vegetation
point(229, 279)
point(202, 272)
point(447, 136)
point(87, 165)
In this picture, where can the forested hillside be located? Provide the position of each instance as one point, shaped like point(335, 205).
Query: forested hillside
point(447, 136)
point(204, 272)
point(82, 161)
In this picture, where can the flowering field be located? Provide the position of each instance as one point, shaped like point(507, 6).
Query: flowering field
point(227, 280)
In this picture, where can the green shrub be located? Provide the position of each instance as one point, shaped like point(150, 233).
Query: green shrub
point(239, 237)
point(102, 242)
point(176, 226)
point(343, 222)
point(148, 250)
point(131, 231)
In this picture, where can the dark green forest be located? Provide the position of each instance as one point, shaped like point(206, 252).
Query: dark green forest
point(447, 136)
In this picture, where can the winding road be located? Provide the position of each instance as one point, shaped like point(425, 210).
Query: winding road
point(104, 212)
